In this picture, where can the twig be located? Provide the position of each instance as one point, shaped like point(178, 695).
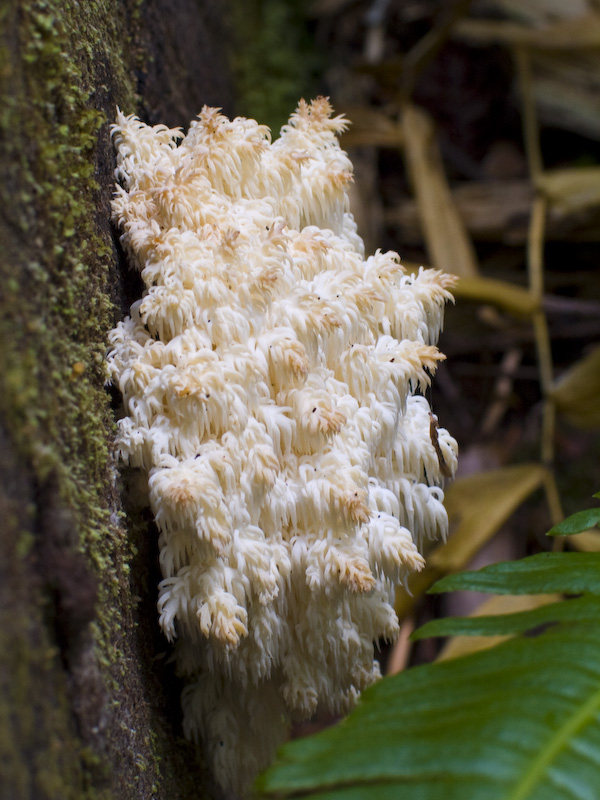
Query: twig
point(502, 390)
point(400, 653)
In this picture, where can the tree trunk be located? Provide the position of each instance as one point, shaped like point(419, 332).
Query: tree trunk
point(90, 704)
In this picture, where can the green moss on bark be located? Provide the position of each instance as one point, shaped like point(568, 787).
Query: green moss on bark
point(55, 308)
point(79, 707)
point(54, 315)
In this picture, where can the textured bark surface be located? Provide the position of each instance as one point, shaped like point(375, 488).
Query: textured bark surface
point(89, 706)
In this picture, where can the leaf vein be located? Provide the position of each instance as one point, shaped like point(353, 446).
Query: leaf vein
point(538, 767)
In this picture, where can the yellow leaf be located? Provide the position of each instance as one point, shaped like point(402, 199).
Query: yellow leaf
point(571, 190)
point(576, 393)
point(587, 541)
point(477, 506)
point(510, 298)
point(444, 231)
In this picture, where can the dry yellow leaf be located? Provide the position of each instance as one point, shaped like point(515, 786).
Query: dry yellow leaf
point(576, 393)
point(478, 506)
point(444, 231)
point(571, 190)
point(587, 541)
point(514, 299)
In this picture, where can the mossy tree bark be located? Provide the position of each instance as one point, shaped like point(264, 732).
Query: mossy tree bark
point(88, 705)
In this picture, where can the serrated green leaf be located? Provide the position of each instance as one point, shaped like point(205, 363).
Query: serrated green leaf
point(568, 573)
point(577, 523)
point(517, 722)
point(580, 608)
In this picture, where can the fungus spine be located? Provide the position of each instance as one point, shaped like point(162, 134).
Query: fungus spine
point(270, 376)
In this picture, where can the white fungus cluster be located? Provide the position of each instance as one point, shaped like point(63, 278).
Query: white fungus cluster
point(269, 377)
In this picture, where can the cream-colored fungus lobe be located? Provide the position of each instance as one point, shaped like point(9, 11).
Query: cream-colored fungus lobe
point(270, 378)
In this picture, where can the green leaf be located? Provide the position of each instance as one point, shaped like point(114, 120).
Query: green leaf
point(517, 722)
point(568, 573)
point(577, 523)
point(580, 608)
point(494, 605)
